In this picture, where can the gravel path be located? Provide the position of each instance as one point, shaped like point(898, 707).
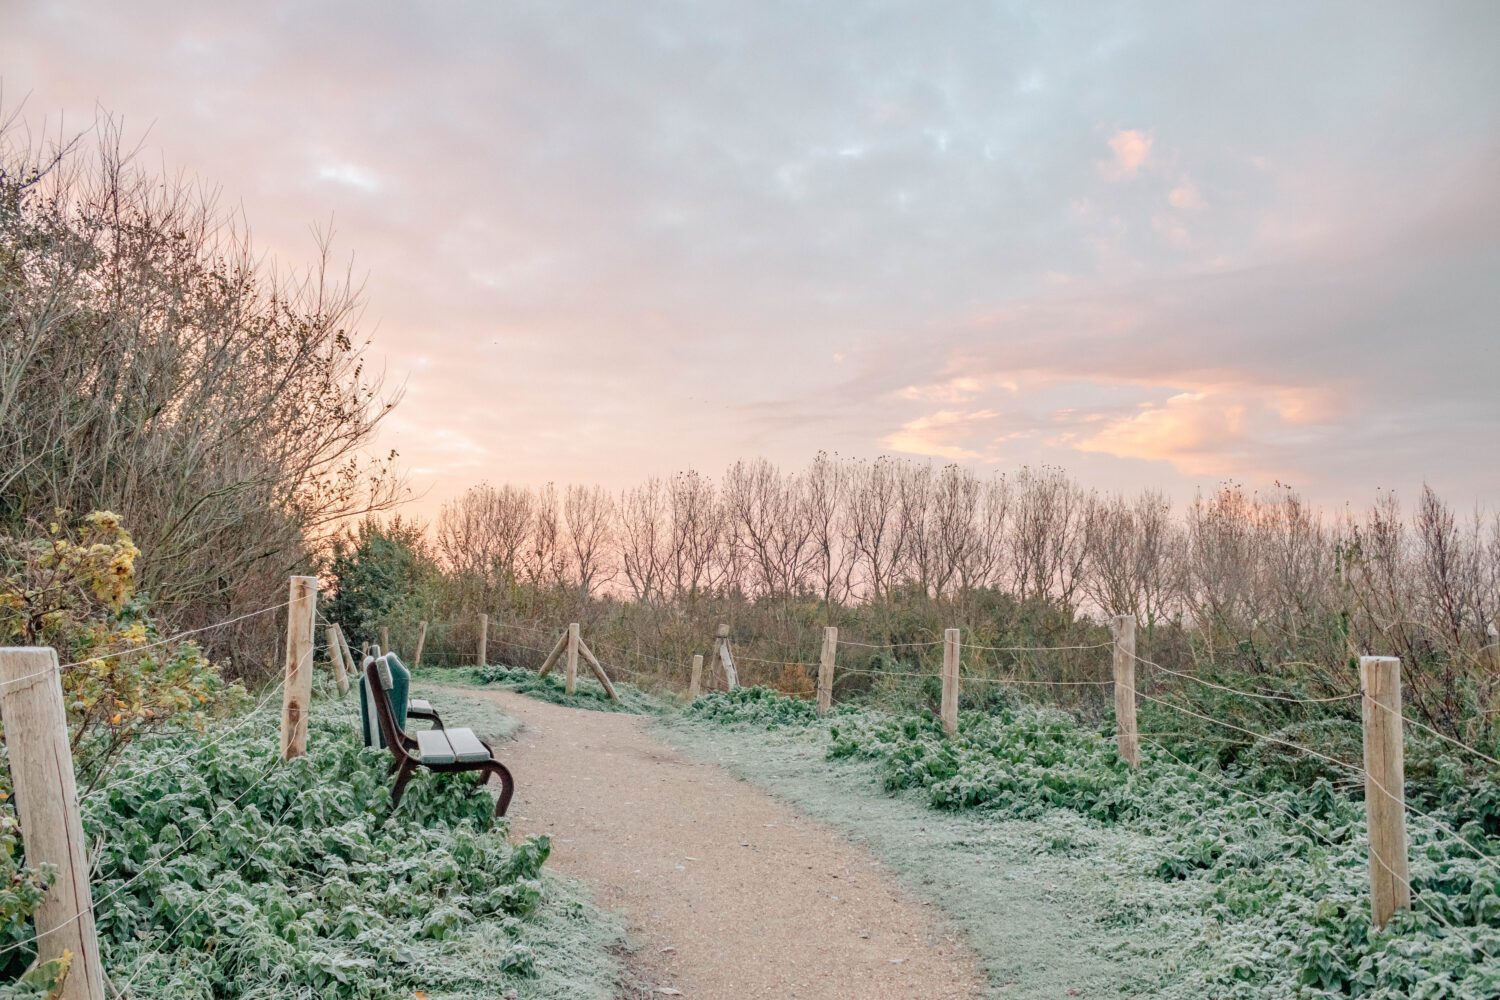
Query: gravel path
point(727, 892)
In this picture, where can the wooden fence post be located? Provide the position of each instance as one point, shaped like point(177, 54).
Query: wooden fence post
point(1385, 785)
point(336, 658)
point(695, 683)
point(385, 639)
point(598, 668)
point(416, 660)
point(825, 669)
point(41, 767)
point(484, 640)
point(1126, 735)
point(950, 681)
point(551, 660)
point(726, 657)
point(353, 671)
point(296, 692)
point(570, 674)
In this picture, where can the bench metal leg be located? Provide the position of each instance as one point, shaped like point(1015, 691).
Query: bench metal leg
point(507, 786)
point(402, 777)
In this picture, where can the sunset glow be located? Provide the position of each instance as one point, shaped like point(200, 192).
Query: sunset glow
point(1159, 250)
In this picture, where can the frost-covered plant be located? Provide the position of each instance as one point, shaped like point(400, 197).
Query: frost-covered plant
point(761, 706)
point(1282, 863)
point(587, 692)
point(223, 873)
point(73, 587)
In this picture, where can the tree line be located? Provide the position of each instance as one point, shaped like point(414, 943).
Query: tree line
point(1262, 587)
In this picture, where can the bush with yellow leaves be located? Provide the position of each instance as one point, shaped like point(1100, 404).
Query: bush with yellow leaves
point(71, 585)
point(73, 588)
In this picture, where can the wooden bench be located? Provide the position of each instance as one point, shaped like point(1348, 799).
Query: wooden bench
point(416, 708)
point(421, 708)
point(441, 750)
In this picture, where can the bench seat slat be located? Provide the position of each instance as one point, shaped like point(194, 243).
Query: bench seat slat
point(434, 747)
point(466, 746)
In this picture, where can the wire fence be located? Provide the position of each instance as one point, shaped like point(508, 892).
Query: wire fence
point(178, 637)
point(964, 664)
point(69, 806)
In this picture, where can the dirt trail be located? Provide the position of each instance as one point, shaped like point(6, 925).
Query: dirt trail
point(726, 891)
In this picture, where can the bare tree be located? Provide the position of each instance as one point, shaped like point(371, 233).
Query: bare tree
point(951, 528)
point(874, 528)
point(545, 560)
point(147, 357)
point(1134, 557)
point(828, 485)
point(696, 562)
point(590, 516)
point(770, 524)
point(643, 538)
point(1048, 534)
point(481, 534)
point(913, 498)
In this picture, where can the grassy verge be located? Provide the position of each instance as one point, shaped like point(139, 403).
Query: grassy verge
point(228, 874)
point(1070, 871)
point(478, 714)
point(587, 692)
point(1033, 896)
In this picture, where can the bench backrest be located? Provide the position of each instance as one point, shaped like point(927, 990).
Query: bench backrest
point(378, 678)
point(372, 695)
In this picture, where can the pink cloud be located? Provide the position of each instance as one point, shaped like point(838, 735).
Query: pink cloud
point(1171, 230)
point(1213, 430)
point(1186, 196)
point(940, 434)
point(958, 389)
point(1131, 148)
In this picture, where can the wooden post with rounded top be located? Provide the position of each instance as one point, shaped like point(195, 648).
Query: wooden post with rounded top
point(1385, 786)
point(349, 666)
point(695, 682)
point(416, 660)
point(41, 767)
point(951, 649)
point(336, 657)
point(484, 640)
point(726, 657)
point(1126, 736)
point(825, 669)
point(296, 691)
point(570, 675)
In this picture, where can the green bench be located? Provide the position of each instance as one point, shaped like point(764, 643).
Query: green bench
point(441, 750)
point(405, 707)
point(439, 746)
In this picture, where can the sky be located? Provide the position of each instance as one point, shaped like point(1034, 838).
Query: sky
point(1159, 244)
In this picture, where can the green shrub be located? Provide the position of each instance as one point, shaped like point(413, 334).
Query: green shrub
point(227, 874)
point(1279, 845)
point(71, 584)
point(759, 706)
point(587, 692)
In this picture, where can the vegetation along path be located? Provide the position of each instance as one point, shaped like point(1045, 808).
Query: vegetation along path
point(727, 891)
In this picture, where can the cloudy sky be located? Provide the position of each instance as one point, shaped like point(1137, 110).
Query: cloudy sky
point(1157, 243)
